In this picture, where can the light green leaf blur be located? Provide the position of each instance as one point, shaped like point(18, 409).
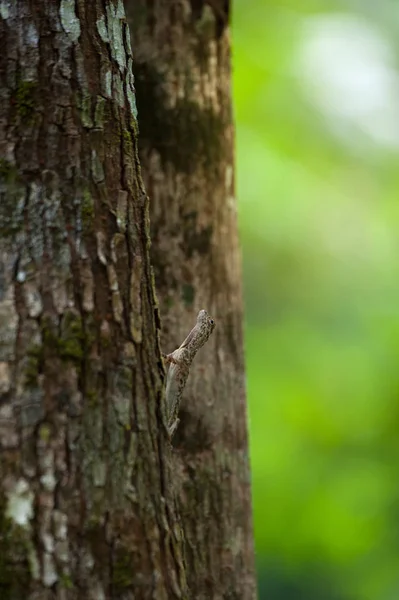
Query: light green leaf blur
point(316, 89)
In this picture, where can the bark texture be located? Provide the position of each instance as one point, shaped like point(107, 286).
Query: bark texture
point(186, 146)
point(87, 504)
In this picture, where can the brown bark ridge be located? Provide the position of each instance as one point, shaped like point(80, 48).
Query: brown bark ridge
point(87, 507)
point(186, 147)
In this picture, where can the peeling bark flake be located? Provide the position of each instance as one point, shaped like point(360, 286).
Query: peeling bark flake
point(69, 19)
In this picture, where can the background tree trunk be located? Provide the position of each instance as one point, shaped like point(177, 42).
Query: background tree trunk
point(92, 495)
point(186, 146)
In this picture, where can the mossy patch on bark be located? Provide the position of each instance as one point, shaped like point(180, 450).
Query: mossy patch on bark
point(24, 100)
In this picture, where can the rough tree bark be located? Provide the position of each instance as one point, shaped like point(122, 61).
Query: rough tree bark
point(92, 495)
point(186, 147)
point(87, 504)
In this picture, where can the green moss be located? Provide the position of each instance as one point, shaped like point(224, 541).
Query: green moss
point(122, 572)
point(92, 398)
point(134, 126)
point(33, 365)
point(24, 100)
point(14, 561)
point(72, 342)
point(66, 581)
point(69, 343)
point(87, 210)
point(7, 170)
point(44, 432)
point(128, 144)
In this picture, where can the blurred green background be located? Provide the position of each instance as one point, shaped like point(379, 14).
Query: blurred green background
point(316, 87)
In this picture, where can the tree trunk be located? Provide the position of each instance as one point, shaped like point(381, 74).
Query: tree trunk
point(186, 146)
point(92, 495)
point(86, 493)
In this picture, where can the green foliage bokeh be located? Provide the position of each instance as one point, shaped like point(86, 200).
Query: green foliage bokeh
point(318, 185)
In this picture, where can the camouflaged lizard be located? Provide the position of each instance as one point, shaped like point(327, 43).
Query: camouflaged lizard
point(180, 362)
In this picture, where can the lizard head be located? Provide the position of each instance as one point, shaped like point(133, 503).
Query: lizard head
point(206, 323)
point(200, 333)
